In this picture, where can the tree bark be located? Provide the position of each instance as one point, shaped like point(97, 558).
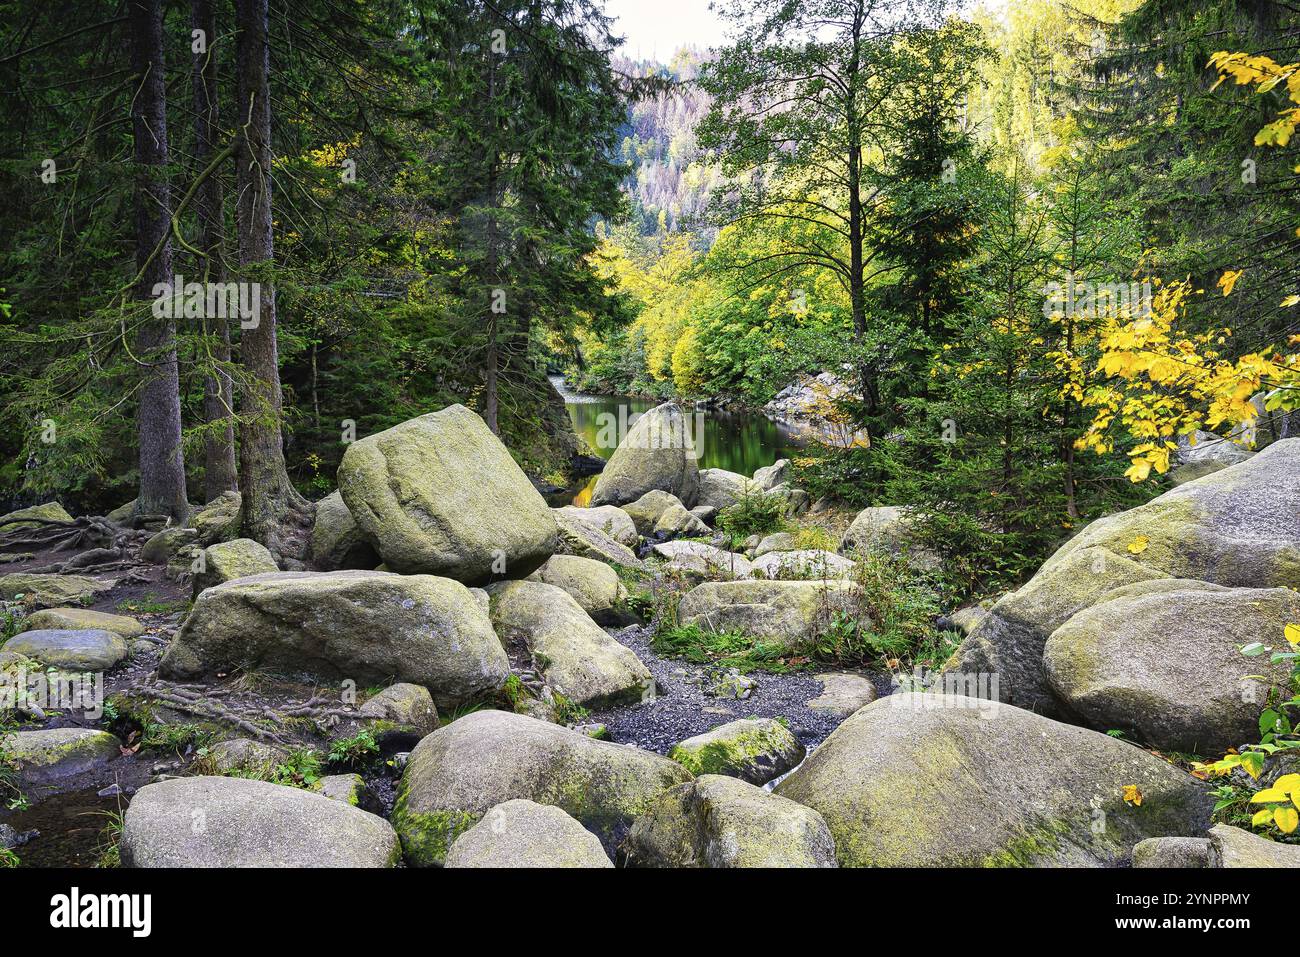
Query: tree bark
point(220, 473)
point(162, 461)
point(274, 514)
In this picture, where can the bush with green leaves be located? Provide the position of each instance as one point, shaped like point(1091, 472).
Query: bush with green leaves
point(755, 514)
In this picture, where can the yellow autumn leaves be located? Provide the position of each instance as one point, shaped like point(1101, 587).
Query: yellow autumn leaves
point(1283, 800)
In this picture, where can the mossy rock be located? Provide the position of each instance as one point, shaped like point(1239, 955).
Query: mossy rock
point(455, 775)
point(53, 591)
point(721, 822)
point(50, 511)
point(656, 453)
point(929, 780)
point(79, 618)
point(752, 749)
point(525, 834)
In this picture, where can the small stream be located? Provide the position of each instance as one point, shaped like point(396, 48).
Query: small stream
point(735, 441)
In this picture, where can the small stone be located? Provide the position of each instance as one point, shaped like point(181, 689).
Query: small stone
point(522, 833)
point(1173, 852)
point(77, 619)
point(843, 693)
point(347, 788)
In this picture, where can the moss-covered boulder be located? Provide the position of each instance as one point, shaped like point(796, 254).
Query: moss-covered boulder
point(48, 512)
point(53, 591)
point(789, 611)
point(656, 453)
point(403, 711)
point(525, 834)
point(804, 563)
point(455, 775)
point(752, 749)
point(219, 520)
point(226, 561)
point(890, 529)
point(76, 650)
point(922, 780)
point(1233, 847)
point(440, 495)
point(609, 519)
point(588, 541)
point(778, 473)
point(1009, 641)
point(594, 585)
point(776, 542)
point(676, 521)
point(576, 656)
point(56, 758)
point(1239, 527)
point(336, 539)
point(347, 788)
point(245, 755)
point(249, 823)
point(721, 822)
point(371, 627)
point(79, 618)
point(1181, 852)
point(703, 560)
point(1162, 660)
point(646, 511)
point(843, 693)
point(1203, 453)
point(173, 545)
point(722, 489)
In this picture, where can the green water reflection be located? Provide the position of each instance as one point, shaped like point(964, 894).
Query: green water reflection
point(723, 440)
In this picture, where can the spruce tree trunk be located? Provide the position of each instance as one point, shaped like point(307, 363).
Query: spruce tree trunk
point(162, 462)
point(220, 473)
point(273, 511)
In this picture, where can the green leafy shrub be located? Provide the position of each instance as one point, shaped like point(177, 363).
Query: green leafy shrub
point(755, 514)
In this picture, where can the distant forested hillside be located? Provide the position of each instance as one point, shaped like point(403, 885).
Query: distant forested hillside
point(671, 176)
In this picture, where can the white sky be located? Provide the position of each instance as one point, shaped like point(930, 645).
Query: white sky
point(658, 28)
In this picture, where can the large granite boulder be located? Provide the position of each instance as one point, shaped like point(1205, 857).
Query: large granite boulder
point(240, 822)
point(656, 453)
point(717, 821)
point(52, 759)
point(440, 495)
point(371, 627)
point(83, 618)
point(594, 585)
point(84, 649)
point(769, 477)
point(219, 520)
point(585, 539)
point(226, 561)
point(462, 770)
point(523, 833)
point(722, 489)
point(704, 560)
point(1162, 660)
point(646, 511)
point(43, 590)
point(803, 563)
point(575, 655)
point(21, 518)
point(1239, 527)
point(929, 780)
point(609, 519)
point(336, 540)
point(788, 611)
point(1203, 453)
point(890, 529)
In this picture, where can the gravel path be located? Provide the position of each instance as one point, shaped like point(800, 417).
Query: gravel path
point(683, 708)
